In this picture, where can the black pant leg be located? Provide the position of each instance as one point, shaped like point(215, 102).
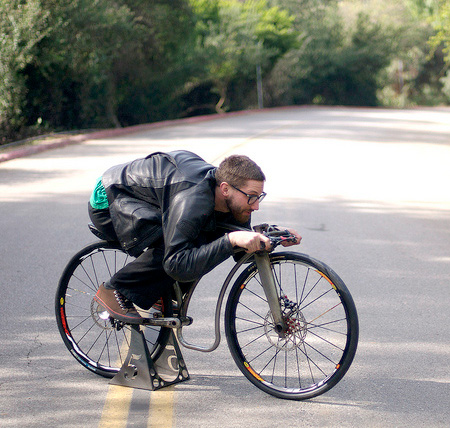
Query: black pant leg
point(144, 281)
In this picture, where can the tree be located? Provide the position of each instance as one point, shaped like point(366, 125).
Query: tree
point(417, 74)
point(233, 38)
point(440, 19)
point(336, 64)
point(152, 66)
point(332, 66)
point(71, 64)
point(71, 82)
point(22, 26)
point(105, 62)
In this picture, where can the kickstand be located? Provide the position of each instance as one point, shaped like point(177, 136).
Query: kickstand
point(140, 371)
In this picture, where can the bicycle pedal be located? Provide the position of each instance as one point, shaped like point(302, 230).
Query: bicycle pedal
point(186, 321)
point(118, 325)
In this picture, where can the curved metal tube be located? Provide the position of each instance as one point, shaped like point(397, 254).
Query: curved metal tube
point(218, 309)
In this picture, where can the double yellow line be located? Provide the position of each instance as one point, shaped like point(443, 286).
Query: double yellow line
point(160, 413)
point(117, 408)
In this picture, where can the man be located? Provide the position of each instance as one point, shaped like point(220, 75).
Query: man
point(164, 210)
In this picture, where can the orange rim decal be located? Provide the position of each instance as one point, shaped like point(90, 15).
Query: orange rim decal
point(328, 279)
point(253, 372)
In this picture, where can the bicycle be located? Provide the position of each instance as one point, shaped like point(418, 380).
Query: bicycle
point(290, 321)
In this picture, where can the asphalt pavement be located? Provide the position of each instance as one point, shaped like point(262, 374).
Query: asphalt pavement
point(366, 188)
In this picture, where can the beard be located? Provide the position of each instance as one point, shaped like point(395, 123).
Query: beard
point(242, 215)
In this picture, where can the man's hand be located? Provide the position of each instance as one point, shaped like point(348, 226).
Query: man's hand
point(298, 238)
point(250, 241)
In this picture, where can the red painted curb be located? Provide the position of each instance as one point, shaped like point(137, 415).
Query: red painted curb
point(108, 133)
point(116, 132)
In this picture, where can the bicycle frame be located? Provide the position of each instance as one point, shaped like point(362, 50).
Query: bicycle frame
point(281, 349)
point(268, 283)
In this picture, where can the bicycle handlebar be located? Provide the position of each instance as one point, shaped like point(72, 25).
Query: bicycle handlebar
point(275, 235)
point(283, 236)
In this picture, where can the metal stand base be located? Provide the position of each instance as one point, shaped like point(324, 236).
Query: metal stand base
point(141, 372)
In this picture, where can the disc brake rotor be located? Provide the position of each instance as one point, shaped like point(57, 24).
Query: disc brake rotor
point(296, 327)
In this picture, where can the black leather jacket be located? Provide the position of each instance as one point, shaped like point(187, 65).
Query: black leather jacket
point(169, 196)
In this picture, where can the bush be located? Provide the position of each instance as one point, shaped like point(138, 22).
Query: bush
point(333, 67)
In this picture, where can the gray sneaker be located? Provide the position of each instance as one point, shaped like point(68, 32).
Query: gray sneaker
point(117, 305)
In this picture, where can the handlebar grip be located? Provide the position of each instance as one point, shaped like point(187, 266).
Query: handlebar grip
point(278, 233)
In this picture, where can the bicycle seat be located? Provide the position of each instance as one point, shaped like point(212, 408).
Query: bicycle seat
point(96, 232)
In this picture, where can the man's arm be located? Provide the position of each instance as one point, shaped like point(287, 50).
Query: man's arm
point(187, 215)
point(184, 261)
point(250, 241)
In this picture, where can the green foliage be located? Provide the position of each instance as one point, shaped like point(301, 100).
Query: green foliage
point(441, 23)
point(71, 84)
point(335, 65)
point(22, 26)
point(74, 64)
point(233, 38)
point(415, 74)
point(422, 8)
point(105, 63)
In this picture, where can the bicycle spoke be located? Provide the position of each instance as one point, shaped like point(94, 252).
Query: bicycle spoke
point(322, 326)
point(105, 346)
point(257, 295)
point(99, 344)
point(321, 353)
point(317, 298)
point(74, 306)
point(303, 360)
point(326, 341)
point(107, 263)
point(94, 270)
point(252, 311)
point(258, 325)
point(93, 288)
point(118, 345)
point(85, 318)
point(252, 341)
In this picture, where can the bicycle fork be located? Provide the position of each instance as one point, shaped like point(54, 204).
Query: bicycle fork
point(270, 289)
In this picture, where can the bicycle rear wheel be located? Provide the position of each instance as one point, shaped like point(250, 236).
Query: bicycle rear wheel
point(87, 331)
point(322, 336)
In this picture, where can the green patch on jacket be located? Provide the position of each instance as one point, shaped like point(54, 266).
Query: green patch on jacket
point(98, 199)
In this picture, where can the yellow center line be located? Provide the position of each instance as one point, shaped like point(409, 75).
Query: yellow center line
point(116, 408)
point(161, 408)
point(118, 399)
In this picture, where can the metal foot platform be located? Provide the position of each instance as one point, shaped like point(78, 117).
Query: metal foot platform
point(141, 372)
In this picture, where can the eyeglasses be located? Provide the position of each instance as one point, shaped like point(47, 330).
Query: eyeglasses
point(251, 198)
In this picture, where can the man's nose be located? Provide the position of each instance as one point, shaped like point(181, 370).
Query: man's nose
point(255, 206)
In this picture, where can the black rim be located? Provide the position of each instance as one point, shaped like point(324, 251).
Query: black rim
point(87, 331)
point(323, 328)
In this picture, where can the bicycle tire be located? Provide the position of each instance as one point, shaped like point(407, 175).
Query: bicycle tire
point(87, 331)
point(322, 335)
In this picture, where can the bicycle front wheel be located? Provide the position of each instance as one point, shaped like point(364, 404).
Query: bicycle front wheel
point(88, 332)
point(322, 328)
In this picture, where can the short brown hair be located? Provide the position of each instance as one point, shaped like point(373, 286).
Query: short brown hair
point(237, 170)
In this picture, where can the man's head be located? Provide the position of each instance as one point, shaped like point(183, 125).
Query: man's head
point(240, 184)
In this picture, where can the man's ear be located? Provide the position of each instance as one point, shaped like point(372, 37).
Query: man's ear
point(224, 189)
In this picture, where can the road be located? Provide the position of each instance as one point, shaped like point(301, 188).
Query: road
point(369, 191)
